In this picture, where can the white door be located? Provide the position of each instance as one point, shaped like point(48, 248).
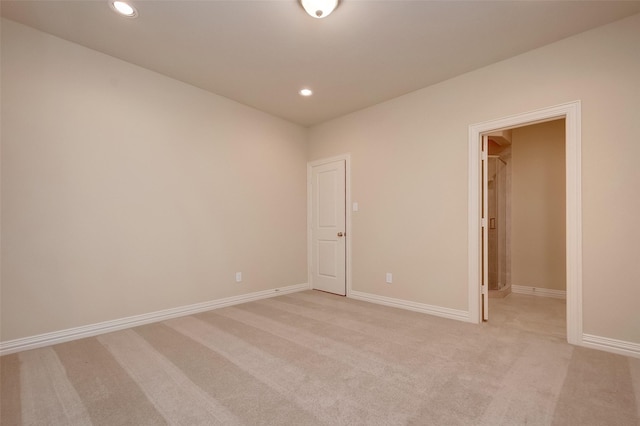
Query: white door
point(485, 228)
point(328, 230)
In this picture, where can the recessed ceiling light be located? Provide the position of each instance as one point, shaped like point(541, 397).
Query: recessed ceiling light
point(124, 8)
point(306, 92)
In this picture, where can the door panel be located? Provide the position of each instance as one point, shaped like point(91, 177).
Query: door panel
point(327, 258)
point(327, 193)
point(328, 189)
point(485, 228)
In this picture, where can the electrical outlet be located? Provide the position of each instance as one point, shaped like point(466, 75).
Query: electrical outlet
point(238, 277)
point(389, 278)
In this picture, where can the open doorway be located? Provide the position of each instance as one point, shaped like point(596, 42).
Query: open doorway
point(479, 223)
point(526, 227)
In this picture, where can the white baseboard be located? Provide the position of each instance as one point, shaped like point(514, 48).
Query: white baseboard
point(412, 306)
point(67, 335)
point(538, 291)
point(619, 347)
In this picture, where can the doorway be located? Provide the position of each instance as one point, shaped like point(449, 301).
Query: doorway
point(479, 224)
point(526, 232)
point(328, 223)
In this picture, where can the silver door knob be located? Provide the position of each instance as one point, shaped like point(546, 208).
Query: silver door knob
point(340, 234)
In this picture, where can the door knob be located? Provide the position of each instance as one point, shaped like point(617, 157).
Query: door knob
point(340, 234)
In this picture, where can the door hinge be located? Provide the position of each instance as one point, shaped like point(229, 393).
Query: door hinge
point(484, 222)
point(484, 155)
point(484, 289)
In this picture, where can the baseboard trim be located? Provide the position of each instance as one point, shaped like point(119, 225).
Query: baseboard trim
point(411, 306)
point(619, 347)
point(538, 291)
point(75, 333)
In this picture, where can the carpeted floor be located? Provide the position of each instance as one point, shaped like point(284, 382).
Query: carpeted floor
point(313, 358)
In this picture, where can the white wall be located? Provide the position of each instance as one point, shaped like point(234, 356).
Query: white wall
point(125, 192)
point(538, 231)
point(409, 173)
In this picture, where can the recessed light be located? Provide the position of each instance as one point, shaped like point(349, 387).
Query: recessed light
point(306, 92)
point(124, 8)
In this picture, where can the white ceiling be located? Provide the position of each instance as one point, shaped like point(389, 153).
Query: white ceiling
point(260, 53)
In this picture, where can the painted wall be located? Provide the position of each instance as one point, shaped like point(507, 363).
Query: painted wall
point(125, 192)
point(538, 206)
point(409, 173)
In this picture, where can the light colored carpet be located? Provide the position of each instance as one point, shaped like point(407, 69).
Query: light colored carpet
point(312, 358)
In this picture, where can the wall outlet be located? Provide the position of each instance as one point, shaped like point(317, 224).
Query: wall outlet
point(238, 277)
point(389, 278)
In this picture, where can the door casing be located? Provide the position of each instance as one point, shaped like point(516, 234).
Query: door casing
point(571, 112)
point(347, 160)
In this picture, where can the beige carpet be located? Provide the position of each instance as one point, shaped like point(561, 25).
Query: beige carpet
point(313, 358)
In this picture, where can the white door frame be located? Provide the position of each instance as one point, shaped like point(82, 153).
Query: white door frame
point(571, 112)
point(347, 162)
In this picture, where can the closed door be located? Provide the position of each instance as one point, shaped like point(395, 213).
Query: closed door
point(328, 230)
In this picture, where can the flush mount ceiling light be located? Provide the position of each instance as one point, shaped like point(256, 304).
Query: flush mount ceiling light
point(124, 8)
point(306, 92)
point(319, 8)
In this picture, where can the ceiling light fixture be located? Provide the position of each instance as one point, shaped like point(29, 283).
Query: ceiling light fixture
point(319, 8)
point(124, 8)
point(306, 92)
